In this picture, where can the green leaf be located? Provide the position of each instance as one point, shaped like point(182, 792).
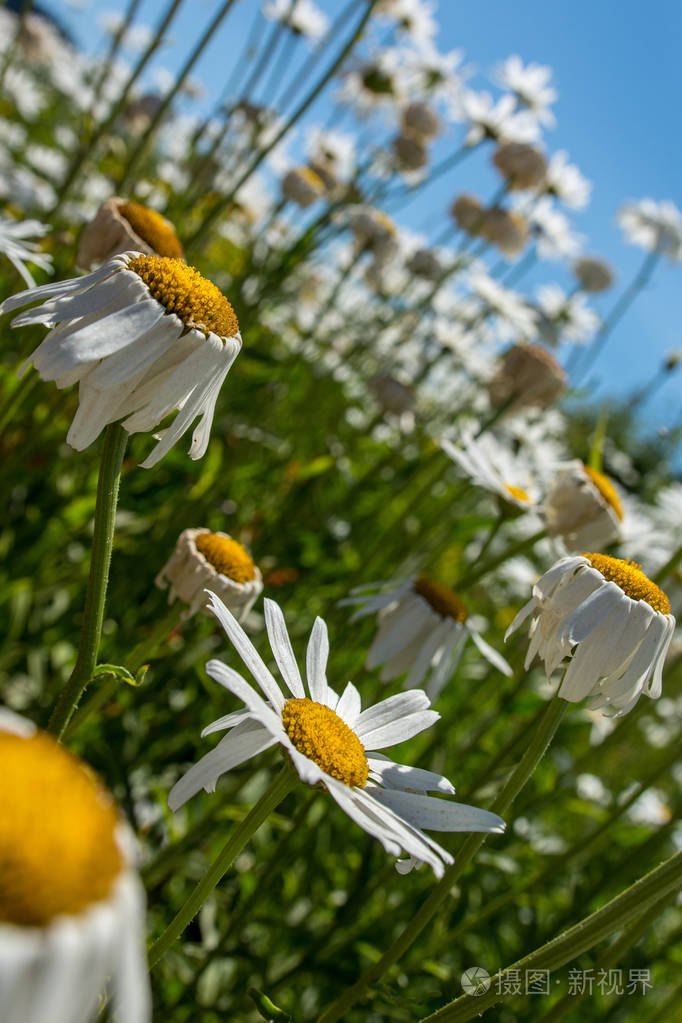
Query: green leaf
point(268, 1009)
point(121, 674)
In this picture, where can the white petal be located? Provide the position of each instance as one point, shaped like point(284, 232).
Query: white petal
point(491, 655)
point(521, 617)
point(399, 776)
point(246, 651)
point(280, 645)
point(581, 622)
point(227, 721)
point(438, 814)
point(244, 691)
point(349, 706)
point(316, 657)
point(242, 743)
point(398, 731)
point(391, 709)
point(430, 647)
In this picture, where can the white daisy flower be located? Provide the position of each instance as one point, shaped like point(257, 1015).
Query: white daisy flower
point(330, 741)
point(491, 464)
point(582, 507)
point(499, 120)
point(124, 226)
point(565, 316)
point(652, 225)
point(71, 905)
point(302, 16)
point(203, 561)
point(423, 626)
point(611, 620)
point(565, 182)
point(530, 85)
point(15, 243)
point(143, 336)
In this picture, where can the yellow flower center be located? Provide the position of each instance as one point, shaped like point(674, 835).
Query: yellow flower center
point(152, 228)
point(319, 734)
point(227, 556)
point(182, 290)
point(518, 493)
point(606, 489)
point(442, 599)
point(632, 581)
point(58, 853)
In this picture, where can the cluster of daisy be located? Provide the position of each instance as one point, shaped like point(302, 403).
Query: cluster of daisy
point(427, 348)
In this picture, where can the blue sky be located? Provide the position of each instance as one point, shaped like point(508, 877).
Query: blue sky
point(617, 70)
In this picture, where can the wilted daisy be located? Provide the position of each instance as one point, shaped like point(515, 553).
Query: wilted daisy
point(331, 742)
point(583, 508)
point(423, 626)
point(522, 166)
point(143, 336)
point(592, 274)
point(203, 561)
point(124, 226)
point(15, 243)
point(302, 186)
point(610, 619)
point(527, 375)
point(71, 905)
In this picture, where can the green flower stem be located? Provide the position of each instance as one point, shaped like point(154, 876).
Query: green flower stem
point(521, 547)
point(142, 653)
point(611, 957)
point(271, 798)
point(587, 358)
point(586, 845)
point(115, 440)
point(535, 750)
point(616, 914)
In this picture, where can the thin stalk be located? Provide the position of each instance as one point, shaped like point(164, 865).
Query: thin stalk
point(114, 47)
point(620, 308)
point(214, 214)
point(618, 913)
point(143, 651)
point(271, 798)
point(115, 440)
point(535, 750)
point(613, 955)
point(132, 159)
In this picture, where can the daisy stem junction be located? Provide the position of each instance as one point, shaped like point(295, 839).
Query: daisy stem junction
point(115, 440)
point(271, 798)
point(535, 750)
point(616, 914)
